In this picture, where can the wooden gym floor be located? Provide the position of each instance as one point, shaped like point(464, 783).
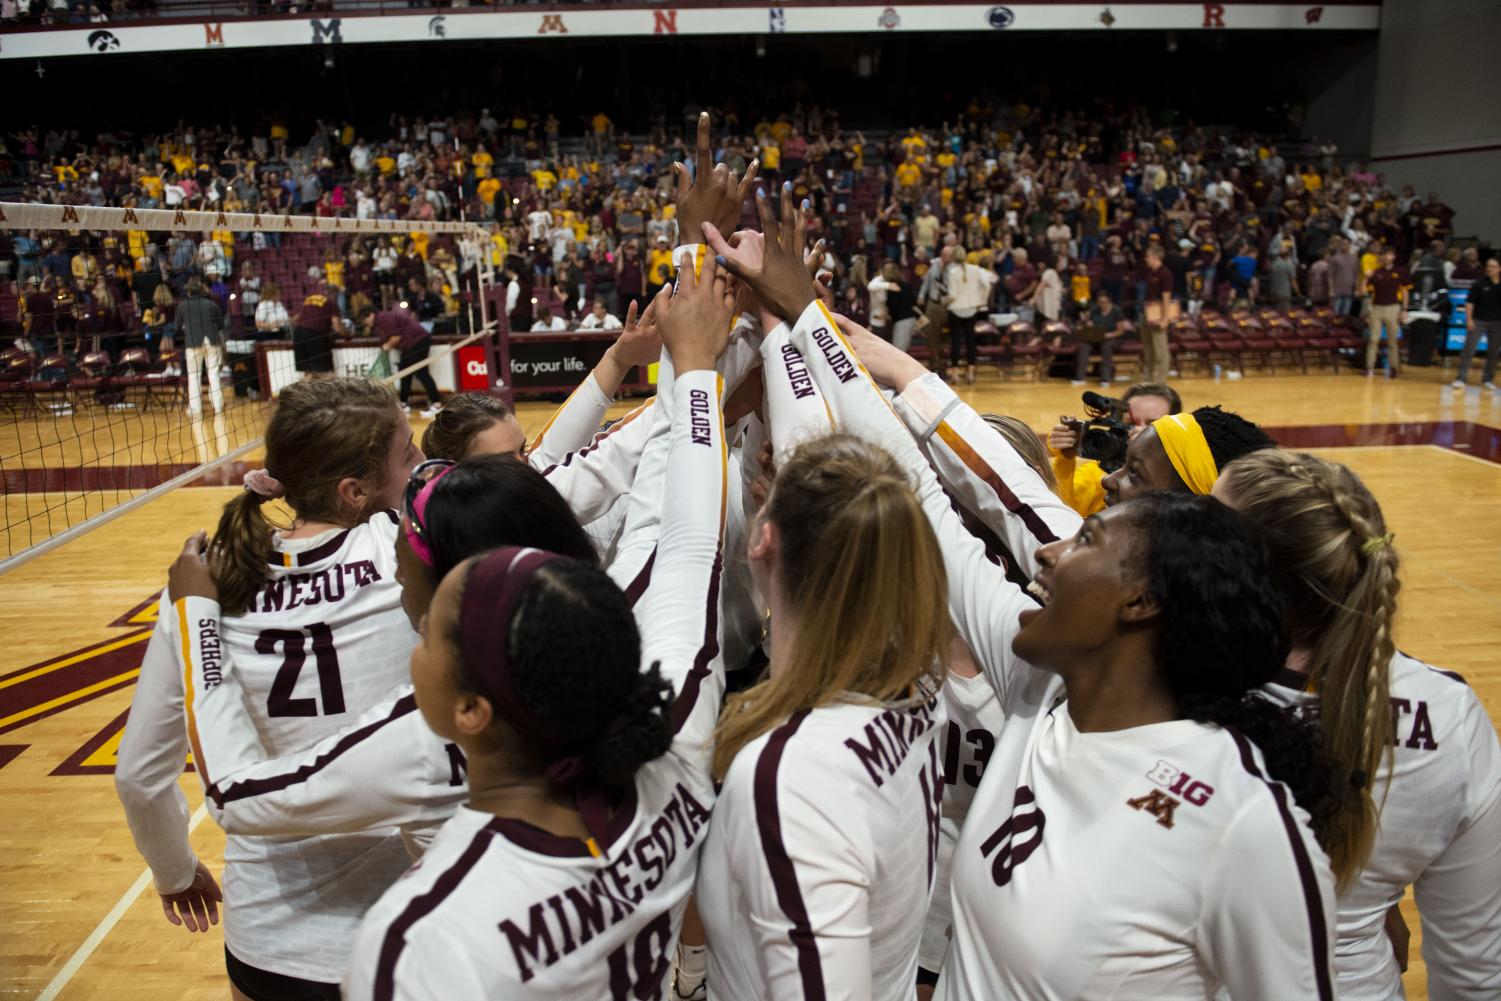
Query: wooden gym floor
point(74, 922)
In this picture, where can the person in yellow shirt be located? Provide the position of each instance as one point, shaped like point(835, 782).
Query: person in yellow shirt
point(65, 173)
point(914, 144)
point(385, 164)
point(182, 163)
point(545, 179)
point(499, 248)
point(420, 239)
point(135, 241)
point(483, 162)
point(151, 184)
point(1312, 181)
point(659, 266)
point(771, 157)
point(487, 189)
point(908, 173)
point(1080, 481)
point(225, 239)
point(781, 129)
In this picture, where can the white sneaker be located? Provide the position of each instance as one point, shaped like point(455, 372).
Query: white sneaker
point(1076, 382)
point(1458, 384)
point(432, 411)
point(1491, 386)
point(1104, 385)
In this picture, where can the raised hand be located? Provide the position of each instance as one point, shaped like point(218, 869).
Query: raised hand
point(888, 364)
point(712, 193)
point(695, 324)
point(189, 574)
point(640, 340)
point(780, 279)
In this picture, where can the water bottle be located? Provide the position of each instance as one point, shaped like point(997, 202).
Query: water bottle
point(1218, 371)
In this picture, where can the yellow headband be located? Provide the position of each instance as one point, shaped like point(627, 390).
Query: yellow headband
point(1183, 440)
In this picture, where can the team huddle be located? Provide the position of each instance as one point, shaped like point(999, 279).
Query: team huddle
point(801, 681)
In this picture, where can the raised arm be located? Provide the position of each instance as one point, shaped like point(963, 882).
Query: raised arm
point(983, 603)
point(983, 471)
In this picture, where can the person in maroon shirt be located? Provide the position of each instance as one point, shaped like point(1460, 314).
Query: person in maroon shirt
point(1387, 286)
point(630, 276)
point(398, 328)
point(1158, 282)
point(39, 318)
point(313, 329)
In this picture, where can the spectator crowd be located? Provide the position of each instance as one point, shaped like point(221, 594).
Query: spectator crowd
point(1007, 210)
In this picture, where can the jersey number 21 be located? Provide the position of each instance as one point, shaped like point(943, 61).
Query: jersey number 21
point(294, 643)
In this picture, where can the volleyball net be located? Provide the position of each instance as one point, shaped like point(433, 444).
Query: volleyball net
point(100, 406)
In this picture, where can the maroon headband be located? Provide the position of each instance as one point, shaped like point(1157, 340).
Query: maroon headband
point(494, 586)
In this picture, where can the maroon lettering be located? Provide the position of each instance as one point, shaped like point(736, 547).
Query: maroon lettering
point(664, 22)
point(1010, 837)
point(556, 903)
point(984, 744)
point(1421, 737)
point(696, 812)
point(1214, 15)
point(1400, 707)
point(649, 957)
point(932, 801)
point(458, 765)
point(622, 880)
point(535, 944)
point(839, 361)
point(873, 754)
point(797, 372)
point(588, 907)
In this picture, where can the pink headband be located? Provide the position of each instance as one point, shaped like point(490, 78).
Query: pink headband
point(418, 514)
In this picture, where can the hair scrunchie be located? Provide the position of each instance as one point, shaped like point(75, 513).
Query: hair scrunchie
point(263, 484)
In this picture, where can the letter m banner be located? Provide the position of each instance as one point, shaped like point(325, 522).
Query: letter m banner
point(328, 32)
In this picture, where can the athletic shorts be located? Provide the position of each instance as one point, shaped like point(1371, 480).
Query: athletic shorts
point(260, 985)
point(312, 350)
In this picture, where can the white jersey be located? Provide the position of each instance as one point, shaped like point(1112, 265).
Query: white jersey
point(965, 746)
point(820, 857)
point(1157, 861)
point(498, 907)
point(1440, 833)
point(323, 641)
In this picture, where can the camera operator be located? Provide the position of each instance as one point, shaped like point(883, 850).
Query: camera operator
point(1102, 327)
point(1079, 480)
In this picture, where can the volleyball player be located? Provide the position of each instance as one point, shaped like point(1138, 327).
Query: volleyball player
point(587, 852)
point(1136, 837)
point(1413, 742)
point(312, 618)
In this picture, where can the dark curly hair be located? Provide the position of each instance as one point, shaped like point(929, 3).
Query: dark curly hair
point(1230, 436)
point(575, 664)
point(1223, 633)
point(498, 500)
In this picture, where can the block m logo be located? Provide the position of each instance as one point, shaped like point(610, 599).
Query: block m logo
point(552, 24)
point(1158, 804)
point(327, 32)
point(213, 34)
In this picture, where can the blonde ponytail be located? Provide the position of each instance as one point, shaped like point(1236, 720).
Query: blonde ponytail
point(866, 592)
point(1333, 559)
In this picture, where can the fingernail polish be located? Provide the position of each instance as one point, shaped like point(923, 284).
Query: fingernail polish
point(787, 186)
point(761, 193)
point(719, 260)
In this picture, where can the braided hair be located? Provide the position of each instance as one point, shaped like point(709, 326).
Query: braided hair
point(1332, 560)
point(1230, 436)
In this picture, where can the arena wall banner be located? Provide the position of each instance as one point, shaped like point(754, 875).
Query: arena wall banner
point(473, 23)
point(25, 215)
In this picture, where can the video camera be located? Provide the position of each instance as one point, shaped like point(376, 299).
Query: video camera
point(1104, 436)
